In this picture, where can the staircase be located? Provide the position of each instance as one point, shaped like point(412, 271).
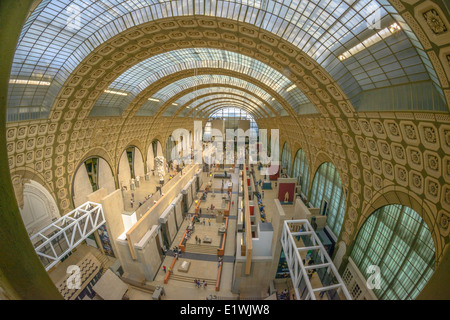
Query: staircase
point(201, 248)
point(104, 260)
point(179, 277)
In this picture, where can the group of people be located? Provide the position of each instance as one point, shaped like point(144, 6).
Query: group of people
point(139, 203)
point(176, 252)
point(188, 234)
point(200, 284)
point(204, 221)
point(284, 295)
point(198, 240)
point(261, 208)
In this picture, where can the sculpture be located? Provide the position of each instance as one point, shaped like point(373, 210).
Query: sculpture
point(159, 167)
point(286, 197)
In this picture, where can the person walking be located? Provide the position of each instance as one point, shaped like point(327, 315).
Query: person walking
point(209, 221)
point(204, 284)
point(164, 269)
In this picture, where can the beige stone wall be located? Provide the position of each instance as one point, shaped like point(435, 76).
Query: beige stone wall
point(382, 158)
point(257, 283)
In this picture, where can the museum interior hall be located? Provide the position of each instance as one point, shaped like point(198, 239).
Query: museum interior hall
point(225, 150)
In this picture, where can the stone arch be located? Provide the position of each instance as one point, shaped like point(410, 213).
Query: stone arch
point(149, 160)
point(124, 174)
point(95, 152)
point(335, 198)
point(22, 175)
point(310, 77)
point(398, 211)
point(81, 187)
point(320, 158)
point(402, 196)
point(308, 164)
point(39, 207)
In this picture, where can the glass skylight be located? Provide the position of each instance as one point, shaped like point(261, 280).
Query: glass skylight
point(213, 82)
point(59, 34)
point(144, 74)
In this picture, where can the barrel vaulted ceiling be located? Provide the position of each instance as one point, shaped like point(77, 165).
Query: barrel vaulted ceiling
point(338, 35)
point(306, 67)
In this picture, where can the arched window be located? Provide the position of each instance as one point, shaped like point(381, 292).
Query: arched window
point(397, 240)
point(286, 158)
point(92, 172)
point(130, 157)
point(232, 116)
point(170, 144)
point(327, 194)
point(301, 171)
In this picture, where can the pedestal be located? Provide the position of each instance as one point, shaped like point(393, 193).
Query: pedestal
point(184, 267)
point(132, 186)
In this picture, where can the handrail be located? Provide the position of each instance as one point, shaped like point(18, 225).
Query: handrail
point(72, 229)
point(219, 274)
point(181, 245)
point(172, 265)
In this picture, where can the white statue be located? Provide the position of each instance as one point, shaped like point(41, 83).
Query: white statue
point(159, 167)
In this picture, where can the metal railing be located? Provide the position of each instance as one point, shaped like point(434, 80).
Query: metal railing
point(58, 239)
point(331, 282)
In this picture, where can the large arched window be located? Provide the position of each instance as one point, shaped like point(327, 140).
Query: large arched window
point(397, 240)
point(233, 116)
point(93, 174)
point(301, 171)
point(170, 144)
point(327, 194)
point(286, 159)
